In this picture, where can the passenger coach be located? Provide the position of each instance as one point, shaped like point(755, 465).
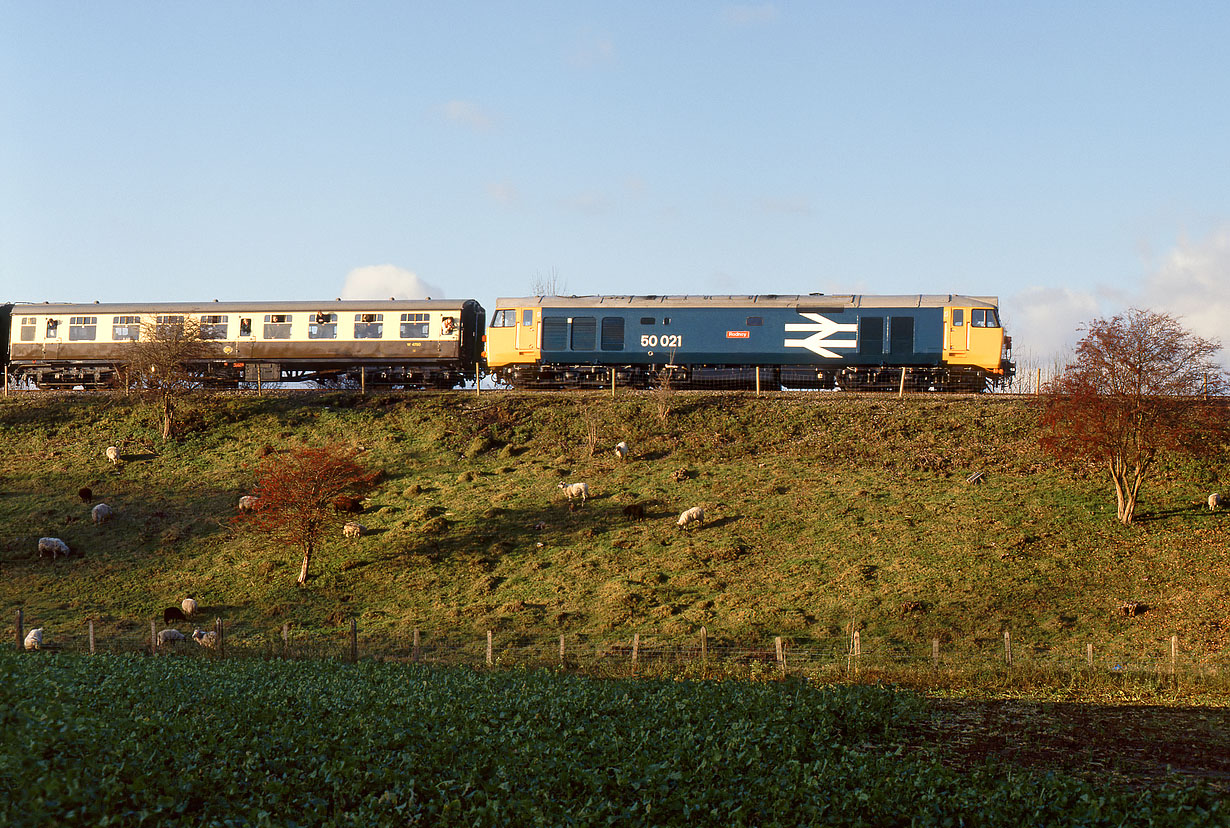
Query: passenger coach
point(944, 342)
point(413, 343)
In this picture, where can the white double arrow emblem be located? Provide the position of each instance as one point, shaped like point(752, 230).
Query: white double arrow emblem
point(819, 341)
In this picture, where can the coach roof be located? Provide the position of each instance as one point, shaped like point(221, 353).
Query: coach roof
point(322, 306)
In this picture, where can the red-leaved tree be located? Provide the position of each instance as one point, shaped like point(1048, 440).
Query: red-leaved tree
point(296, 491)
point(1140, 385)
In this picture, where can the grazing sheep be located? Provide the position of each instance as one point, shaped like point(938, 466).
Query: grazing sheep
point(348, 503)
point(621, 450)
point(113, 454)
point(173, 614)
point(205, 639)
point(636, 511)
point(52, 547)
point(1133, 608)
point(34, 639)
point(574, 490)
point(689, 516)
point(168, 636)
point(85, 494)
point(1216, 500)
point(353, 530)
point(101, 514)
point(248, 503)
point(680, 475)
point(188, 605)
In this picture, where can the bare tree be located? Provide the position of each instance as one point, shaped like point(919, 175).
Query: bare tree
point(165, 363)
point(1139, 386)
point(295, 495)
point(548, 284)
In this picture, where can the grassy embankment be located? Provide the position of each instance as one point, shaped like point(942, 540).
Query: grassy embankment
point(822, 510)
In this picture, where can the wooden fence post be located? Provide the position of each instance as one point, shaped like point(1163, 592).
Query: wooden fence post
point(478, 378)
point(354, 641)
point(612, 382)
point(561, 638)
point(858, 650)
point(704, 645)
point(636, 649)
point(21, 642)
point(757, 380)
point(414, 652)
point(781, 653)
point(935, 653)
point(1174, 656)
point(901, 389)
point(221, 636)
point(1089, 655)
point(153, 637)
point(1008, 648)
point(91, 636)
point(490, 648)
point(285, 639)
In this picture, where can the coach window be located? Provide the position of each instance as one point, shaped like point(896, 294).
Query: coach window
point(213, 327)
point(169, 326)
point(958, 317)
point(448, 326)
point(125, 328)
point(755, 321)
point(415, 325)
point(277, 326)
point(53, 328)
point(368, 325)
point(612, 333)
point(245, 327)
point(584, 333)
point(28, 324)
point(82, 328)
point(504, 318)
point(323, 326)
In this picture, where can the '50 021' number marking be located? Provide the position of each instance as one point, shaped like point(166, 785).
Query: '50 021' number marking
point(665, 340)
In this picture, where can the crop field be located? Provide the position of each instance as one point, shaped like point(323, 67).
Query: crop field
point(129, 740)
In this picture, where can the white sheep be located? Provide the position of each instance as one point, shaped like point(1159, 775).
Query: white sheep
point(1216, 500)
point(189, 607)
point(247, 503)
point(353, 530)
point(621, 450)
point(575, 490)
point(205, 639)
point(52, 547)
point(113, 454)
point(34, 639)
point(101, 514)
point(689, 516)
point(165, 637)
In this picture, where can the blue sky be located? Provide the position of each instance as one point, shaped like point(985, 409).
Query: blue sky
point(1070, 158)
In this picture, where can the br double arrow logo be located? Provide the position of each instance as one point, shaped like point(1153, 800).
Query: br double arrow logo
point(823, 328)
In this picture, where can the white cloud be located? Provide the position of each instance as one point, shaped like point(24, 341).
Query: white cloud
point(467, 114)
point(745, 14)
point(1193, 283)
point(385, 281)
point(1046, 322)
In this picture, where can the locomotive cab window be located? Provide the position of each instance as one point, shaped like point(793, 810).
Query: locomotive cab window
point(416, 325)
point(277, 326)
point(213, 327)
point(368, 325)
point(504, 318)
point(125, 328)
point(983, 318)
point(323, 326)
point(612, 333)
point(28, 324)
point(82, 328)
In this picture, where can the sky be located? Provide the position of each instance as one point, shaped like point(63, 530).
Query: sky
point(1072, 159)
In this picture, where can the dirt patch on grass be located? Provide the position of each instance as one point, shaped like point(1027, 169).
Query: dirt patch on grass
point(1135, 744)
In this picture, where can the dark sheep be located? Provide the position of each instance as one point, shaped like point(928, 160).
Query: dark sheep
point(635, 511)
point(173, 614)
point(348, 503)
point(85, 494)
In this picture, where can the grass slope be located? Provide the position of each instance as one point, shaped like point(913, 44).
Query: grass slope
point(820, 510)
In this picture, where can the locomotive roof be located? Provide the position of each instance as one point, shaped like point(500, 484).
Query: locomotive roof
point(774, 300)
point(324, 305)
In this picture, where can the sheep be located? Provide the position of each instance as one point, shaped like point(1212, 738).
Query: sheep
point(52, 547)
point(101, 514)
point(205, 639)
point(574, 490)
point(188, 605)
point(353, 530)
point(635, 511)
point(168, 636)
point(248, 503)
point(113, 454)
point(173, 614)
point(34, 639)
point(85, 494)
point(689, 516)
point(621, 449)
point(1216, 500)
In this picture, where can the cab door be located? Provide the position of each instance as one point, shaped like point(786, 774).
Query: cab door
point(956, 334)
point(527, 331)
